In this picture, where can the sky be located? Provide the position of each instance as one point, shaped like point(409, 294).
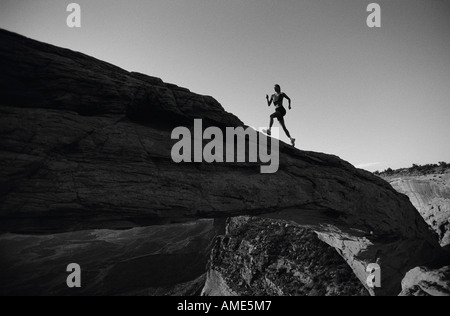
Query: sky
point(376, 97)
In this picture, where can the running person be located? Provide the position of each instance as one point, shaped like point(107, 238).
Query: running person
point(280, 111)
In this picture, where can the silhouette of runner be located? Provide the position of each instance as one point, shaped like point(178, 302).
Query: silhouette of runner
point(280, 111)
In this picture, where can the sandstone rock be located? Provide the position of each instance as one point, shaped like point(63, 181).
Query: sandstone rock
point(430, 194)
point(216, 285)
point(86, 145)
point(263, 257)
point(149, 261)
point(422, 281)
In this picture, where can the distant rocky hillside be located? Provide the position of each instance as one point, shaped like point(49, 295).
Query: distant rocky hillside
point(85, 145)
point(430, 194)
point(416, 170)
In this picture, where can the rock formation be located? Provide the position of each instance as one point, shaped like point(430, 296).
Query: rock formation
point(148, 261)
point(263, 257)
point(430, 194)
point(422, 281)
point(86, 145)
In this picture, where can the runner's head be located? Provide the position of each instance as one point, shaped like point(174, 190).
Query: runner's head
point(277, 88)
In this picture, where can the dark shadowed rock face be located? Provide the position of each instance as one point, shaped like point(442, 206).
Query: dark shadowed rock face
point(263, 257)
point(155, 260)
point(430, 194)
point(86, 145)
